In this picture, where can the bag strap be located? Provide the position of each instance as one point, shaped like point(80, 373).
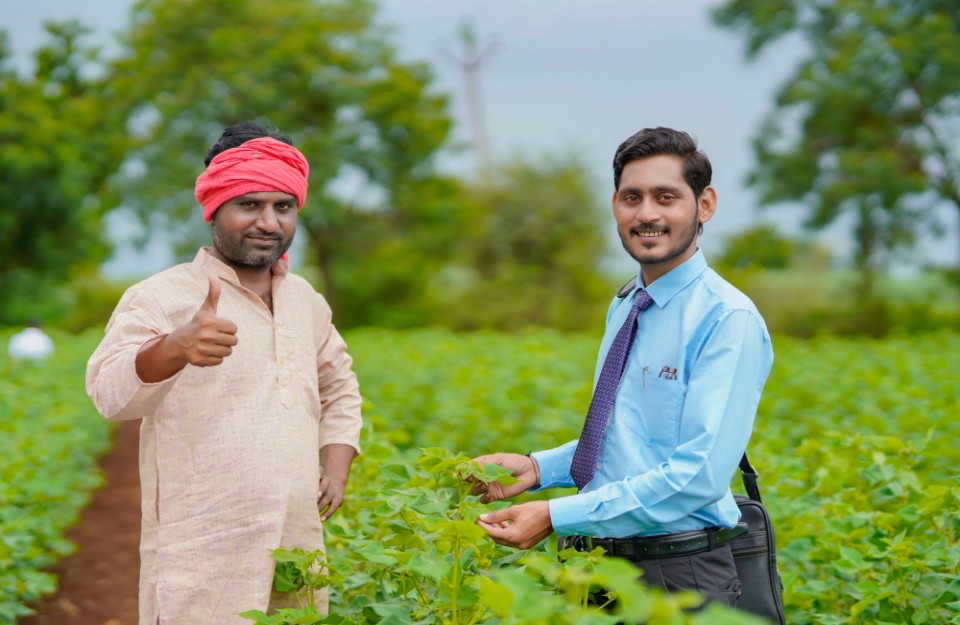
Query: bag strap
point(627, 288)
point(750, 475)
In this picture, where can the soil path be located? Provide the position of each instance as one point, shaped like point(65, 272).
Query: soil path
point(98, 584)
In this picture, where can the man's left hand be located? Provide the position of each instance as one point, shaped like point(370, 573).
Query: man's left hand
point(335, 460)
point(521, 526)
point(330, 495)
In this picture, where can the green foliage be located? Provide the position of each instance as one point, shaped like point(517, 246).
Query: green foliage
point(855, 441)
point(867, 123)
point(91, 300)
point(58, 143)
point(473, 391)
point(764, 247)
point(528, 252)
point(50, 437)
point(326, 73)
point(412, 553)
point(790, 304)
point(866, 499)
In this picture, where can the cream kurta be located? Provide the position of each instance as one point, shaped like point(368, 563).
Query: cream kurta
point(228, 454)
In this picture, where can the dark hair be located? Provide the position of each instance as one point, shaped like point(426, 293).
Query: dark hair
point(653, 141)
point(238, 134)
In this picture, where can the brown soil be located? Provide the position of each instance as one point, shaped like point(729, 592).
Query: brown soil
point(98, 583)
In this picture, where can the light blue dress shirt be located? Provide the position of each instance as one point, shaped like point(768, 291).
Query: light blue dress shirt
point(683, 414)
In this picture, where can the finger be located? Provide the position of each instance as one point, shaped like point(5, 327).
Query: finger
point(493, 528)
point(479, 487)
point(213, 295)
point(494, 492)
point(208, 361)
point(497, 516)
point(224, 338)
point(333, 507)
point(214, 350)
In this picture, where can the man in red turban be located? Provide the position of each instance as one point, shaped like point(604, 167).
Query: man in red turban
point(248, 401)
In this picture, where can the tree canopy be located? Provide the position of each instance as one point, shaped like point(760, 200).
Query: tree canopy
point(529, 250)
point(323, 72)
point(58, 144)
point(389, 241)
point(869, 123)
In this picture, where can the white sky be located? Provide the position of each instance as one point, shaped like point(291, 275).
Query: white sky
point(571, 75)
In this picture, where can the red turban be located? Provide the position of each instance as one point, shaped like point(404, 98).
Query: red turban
point(262, 164)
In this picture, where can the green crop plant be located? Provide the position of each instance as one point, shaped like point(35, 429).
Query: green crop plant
point(414, 554)
point(50, 438)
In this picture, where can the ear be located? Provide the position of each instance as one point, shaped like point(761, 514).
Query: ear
point(707, 204)
point(613, 200)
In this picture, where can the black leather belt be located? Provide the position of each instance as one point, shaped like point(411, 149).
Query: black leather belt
point(664, 546)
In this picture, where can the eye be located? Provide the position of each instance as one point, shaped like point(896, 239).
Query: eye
point(667, 197)
point(631, 197)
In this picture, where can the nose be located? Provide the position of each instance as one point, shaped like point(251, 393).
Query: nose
point(267, 220)
point(645, 211)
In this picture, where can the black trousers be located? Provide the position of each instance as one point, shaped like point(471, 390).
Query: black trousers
point(711, 573)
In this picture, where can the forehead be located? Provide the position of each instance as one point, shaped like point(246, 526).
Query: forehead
point(653, 171)
point(265, 196)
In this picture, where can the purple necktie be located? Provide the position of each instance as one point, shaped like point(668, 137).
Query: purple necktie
point(588, 448)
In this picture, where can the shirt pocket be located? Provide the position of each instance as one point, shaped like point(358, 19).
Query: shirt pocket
point(661, 402)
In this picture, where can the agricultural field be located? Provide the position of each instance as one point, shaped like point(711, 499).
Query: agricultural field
point(855, 443)
point(50, 438)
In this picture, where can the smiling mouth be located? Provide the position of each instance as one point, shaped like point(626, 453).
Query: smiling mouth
point(647, 233)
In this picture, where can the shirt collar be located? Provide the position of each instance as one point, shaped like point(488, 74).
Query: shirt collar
point(669, 284)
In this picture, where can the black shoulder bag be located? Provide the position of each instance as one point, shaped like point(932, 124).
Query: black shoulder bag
point(755, 554)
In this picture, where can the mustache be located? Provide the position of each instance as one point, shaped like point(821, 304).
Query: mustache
point(646, 227)
point(260, 234)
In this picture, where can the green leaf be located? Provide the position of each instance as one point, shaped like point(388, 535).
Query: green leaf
point(430, 564)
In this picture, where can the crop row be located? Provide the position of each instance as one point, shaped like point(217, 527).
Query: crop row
point(855, 441)
point(50, 438)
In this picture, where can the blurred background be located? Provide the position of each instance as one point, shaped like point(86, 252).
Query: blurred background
point(461, 151)
point(460, 181)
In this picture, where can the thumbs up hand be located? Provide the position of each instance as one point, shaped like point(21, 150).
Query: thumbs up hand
point(207, 339)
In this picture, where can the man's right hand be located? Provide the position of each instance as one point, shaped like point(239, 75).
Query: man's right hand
point(207, 339)
point(204, 342)
point(522, 467)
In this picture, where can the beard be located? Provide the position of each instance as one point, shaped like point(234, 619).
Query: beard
point(246, 253)
point(685, 238)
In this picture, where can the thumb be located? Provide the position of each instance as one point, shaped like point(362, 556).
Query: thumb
point(497, 516)
point(213, 295)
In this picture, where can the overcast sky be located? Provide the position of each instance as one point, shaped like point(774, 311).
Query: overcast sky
point(570, 75)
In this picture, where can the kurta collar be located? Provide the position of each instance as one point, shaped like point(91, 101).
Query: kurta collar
point(210, 264)
point(669, 284)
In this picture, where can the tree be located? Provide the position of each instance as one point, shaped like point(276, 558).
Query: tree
point(761, 247)
point(324, 72)
point(529, 252)
point(58, 144)
point(869, 123)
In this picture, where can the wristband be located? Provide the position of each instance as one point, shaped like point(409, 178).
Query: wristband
point(536, 468)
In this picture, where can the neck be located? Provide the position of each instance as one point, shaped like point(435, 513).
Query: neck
point(257, 280)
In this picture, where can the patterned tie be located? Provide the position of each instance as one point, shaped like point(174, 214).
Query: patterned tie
point(588, 448)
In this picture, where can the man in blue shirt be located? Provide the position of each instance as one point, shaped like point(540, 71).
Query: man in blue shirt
point(682, 414)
